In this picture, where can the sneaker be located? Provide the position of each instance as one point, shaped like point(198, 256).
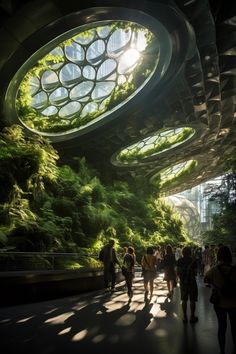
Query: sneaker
point(107, 290)
point(194, 319)
point(185, 320)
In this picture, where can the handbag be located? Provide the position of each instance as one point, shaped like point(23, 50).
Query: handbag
point(214, 298)
point(124, 270)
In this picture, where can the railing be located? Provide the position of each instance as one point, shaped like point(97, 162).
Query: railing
point(38, 261)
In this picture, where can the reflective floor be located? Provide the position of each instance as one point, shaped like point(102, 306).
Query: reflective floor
point(108, 324)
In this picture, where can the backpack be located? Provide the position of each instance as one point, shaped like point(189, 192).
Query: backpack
point(228, 290)
point(101, 255)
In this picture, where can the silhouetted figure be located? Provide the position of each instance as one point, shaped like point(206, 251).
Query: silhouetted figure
point(108, 256)
point(186, 271)
point(222, 278)
point(169, 264)
point(128, 263)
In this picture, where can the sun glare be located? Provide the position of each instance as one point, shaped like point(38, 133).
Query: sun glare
point(128, 60)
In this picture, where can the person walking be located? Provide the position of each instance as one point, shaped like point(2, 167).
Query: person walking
point(128, 267)
point(186, 271)
point(206, 259)
point(108, 256)
point(222, 278)
point(158, 256)
point(149, 271)
point(169, 264)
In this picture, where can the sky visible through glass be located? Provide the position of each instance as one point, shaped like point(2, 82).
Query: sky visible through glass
point(75, 81)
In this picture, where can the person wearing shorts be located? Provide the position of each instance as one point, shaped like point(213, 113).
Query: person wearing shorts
point(186, 271)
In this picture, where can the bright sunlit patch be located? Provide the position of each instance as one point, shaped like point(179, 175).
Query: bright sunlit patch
point(128, 61)
point(113, 305)
point(161, 292)
point(59, 319)
point(135, 305)
point(80, 335)
point(126, 320)
point(25, 319)
point(161, 314)
point(99, 338)
point(64, 331)
point(155, 309)
point(161, 299)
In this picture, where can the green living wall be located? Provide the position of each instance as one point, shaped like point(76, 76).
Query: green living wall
point(47, 208)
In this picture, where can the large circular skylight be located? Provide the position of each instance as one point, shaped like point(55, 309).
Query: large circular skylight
point(155, 144)
point(86, 77)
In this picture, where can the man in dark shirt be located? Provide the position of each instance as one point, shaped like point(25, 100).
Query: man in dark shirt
point(186, 271)
point(108, 257)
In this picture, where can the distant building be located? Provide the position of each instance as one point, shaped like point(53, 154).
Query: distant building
point(188, 213)
point(205, 206)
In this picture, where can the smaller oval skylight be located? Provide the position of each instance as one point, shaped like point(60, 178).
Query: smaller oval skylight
point(173, 174)
point(155, 144)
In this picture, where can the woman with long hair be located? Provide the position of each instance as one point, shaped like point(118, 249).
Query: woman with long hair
point(149, 271)
point(128, 264)
point(169, 264)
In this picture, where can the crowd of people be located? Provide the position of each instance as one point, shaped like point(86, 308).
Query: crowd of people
point(181, 265)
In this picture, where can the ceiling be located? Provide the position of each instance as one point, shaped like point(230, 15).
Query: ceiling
point(197, 89)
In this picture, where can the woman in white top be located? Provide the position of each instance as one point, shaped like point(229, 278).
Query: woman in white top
point(149, 271)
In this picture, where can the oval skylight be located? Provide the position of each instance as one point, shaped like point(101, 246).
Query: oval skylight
point(172, 174)
point(86, 77)
point(154, 144)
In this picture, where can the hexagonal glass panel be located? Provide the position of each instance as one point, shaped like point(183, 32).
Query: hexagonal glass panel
point(86, 76)
point(69, 110)
point(34, 85)
point(50, 111)
point(39, 100)
point(155, 144)
point(49, 80)
point(69, 75)
point(55, 58)
point(75, 53)
point(81, 90)
point(59, 96)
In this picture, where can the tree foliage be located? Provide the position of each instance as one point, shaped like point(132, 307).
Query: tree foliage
point(60, 209)
point(224, 225)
